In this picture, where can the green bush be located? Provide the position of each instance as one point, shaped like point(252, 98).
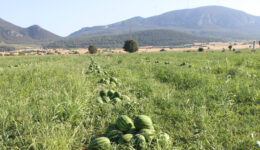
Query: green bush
point(92, 49)
point(22, 53)
point(131, 46)
point(50, 53)
point(201, 49)
point(230, 47)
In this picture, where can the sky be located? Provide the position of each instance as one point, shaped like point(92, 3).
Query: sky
point(63, 17)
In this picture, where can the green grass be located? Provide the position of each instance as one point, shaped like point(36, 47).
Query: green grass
point(48, 102)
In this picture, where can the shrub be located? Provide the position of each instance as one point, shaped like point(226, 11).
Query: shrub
point(50, 53)
point(230, 47)
point(11, 54)
point(75, 52)
point(201, 49)
point(22, 53)
point(163, 50)
point(131, 46)
point(92, 49)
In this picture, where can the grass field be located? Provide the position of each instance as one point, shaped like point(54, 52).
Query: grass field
point(212, 102)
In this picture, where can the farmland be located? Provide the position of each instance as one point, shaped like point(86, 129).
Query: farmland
point(203, 100)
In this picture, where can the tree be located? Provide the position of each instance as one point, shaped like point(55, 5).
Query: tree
point(131, 46)
point(230, 47)
point(92, 49)
point(201, 49)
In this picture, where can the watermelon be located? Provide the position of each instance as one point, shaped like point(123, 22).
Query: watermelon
point(117, 95)
point(114, 135)
point(163, 139)
point(103, 93)
point(101, 143)
point(148, 134)
point(125, 98)
point(106, 81)
point(110, 93)
point(116, 100)
point(111, 127)
point(124, 123)
point(106, 99)
point(139, 142)
point(112, 79)
point(99, 100)
point(126, 138)
point(113, 84)
point(101, 80)
point(132, 131)
point(143, 122)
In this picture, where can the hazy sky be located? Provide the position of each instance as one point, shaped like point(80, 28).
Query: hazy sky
point(66, 16)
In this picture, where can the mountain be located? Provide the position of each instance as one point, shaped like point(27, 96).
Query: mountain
point(158, 37)
point(213, 21)
point(10, 33)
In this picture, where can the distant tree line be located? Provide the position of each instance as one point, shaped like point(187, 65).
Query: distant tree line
point(144, 38)
point(6, 48)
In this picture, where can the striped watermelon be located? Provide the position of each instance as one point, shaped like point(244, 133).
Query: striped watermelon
point(114, 135)
point(143, 122)
point(116, 100)
point(124, 123)
point(110, 93)
point(125, 98)
point(99, 100)
point(117, 95)
point(103, 93)
point(101, 143)
point(148, 134)
point(106, 99)
point(139, 142)
point(126, 138)
point(111, 127)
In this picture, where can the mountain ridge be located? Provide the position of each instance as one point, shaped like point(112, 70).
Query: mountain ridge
point(13, 34)
point(205, 19)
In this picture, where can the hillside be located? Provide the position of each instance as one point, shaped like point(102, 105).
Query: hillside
point(148, 37)
point(12, 34)
point(215, 21)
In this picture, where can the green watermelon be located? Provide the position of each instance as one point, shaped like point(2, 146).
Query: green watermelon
point(116, 100)
point(132, 131)
point(99, 100)
point(112, 79)
point(106, 99)
point(163, 139)
point(101, 143)
point(107, 82)
point(117, 95)
point(124, 123)
point(126, 138)
point(148, 134)
point(139, 142)
point(111, 127)
point(114, 135)
point(125, 98)
point(103, 93)
point(143, 122)
point(110, 93)
point(113, 84)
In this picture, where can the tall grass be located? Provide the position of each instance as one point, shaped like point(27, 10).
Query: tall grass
point(48, 102)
